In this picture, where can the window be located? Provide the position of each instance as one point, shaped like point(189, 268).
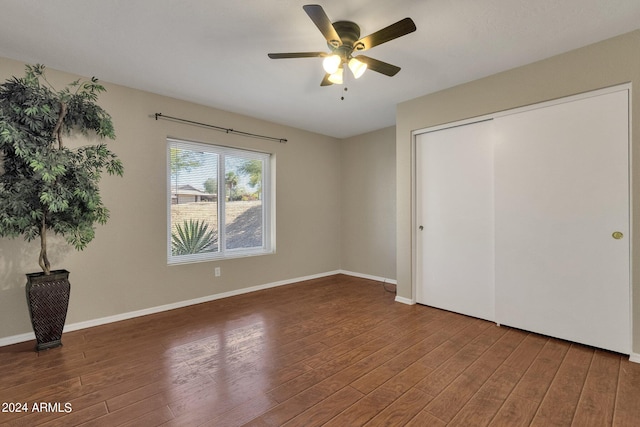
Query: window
point(219, 202)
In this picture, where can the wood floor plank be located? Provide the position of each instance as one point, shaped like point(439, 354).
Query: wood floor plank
point(424, 418)
point(627, 409)
point(476, 412)
point(299, 403)
point(460, 390)
point(151, 419)
point(39, 393)
point(481, 388)
point(489, 399)
point(559, 405)
point(364, 409)
point(516, 411)
point(335, 351)
point(376, 401)
point(243, 413)
point(298, 385)
point(535, 382)
point(523, 356)
point(137, 411)
point(319, 414)
point(355, 364)
point(402, 410)
point(597, 401)
point(199, 408)
point(403, 359)
point(121, 400)
point(76, 417)
point(436, 382)
point(16, 354)
point(373, 354)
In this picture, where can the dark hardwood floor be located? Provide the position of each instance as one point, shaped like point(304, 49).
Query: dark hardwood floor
point(336, 351)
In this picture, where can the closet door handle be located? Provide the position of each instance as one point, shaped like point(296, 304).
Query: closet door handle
point(617, 235)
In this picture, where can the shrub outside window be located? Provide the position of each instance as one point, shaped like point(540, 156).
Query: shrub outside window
point(219, 202)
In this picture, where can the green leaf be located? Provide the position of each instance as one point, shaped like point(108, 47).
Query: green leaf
point(40, 180)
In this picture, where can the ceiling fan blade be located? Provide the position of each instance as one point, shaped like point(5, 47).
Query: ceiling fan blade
point(322, 21)
point(325, 81)
point(379, 66)
point(393, 31)
point(297, 55)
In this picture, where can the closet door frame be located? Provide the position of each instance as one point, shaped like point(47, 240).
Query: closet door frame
point(589, 94)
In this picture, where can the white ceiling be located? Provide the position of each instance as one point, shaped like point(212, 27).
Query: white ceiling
point(215, 52)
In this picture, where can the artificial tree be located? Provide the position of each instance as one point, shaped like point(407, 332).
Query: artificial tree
point(45, 186)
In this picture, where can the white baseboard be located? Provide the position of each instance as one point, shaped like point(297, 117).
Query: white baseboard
point(404, 300)
point(369, 277)
point(634, 357)
point(14, 339)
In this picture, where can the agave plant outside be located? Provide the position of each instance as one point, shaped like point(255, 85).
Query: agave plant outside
point(193, 237)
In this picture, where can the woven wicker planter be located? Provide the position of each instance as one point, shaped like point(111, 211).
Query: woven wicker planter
point(48, 298)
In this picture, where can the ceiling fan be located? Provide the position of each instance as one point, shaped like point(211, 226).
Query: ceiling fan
point(343, 39)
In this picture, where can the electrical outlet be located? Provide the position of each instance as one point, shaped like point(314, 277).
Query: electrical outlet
point(217, 272)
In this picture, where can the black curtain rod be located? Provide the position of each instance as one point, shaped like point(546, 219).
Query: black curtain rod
point(221, 129)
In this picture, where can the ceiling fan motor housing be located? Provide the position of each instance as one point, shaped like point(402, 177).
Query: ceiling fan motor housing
point(349, 33)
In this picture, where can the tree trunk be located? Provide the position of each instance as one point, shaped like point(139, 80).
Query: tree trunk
point(57, 131)
point(43, 260)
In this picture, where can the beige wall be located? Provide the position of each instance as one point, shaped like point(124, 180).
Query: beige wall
point(368, 204)
point(124, 269)
point(600, 65)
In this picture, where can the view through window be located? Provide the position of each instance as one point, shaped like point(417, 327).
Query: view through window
point(218, 202)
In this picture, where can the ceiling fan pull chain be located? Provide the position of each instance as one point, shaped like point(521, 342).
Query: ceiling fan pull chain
point(345, 91)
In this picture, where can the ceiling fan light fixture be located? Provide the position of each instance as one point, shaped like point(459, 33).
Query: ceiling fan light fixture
point(336, 78)
point(331, 63)
point(357, 67)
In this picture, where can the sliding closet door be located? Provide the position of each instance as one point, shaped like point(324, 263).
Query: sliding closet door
point(562, 221)
point(454, 214)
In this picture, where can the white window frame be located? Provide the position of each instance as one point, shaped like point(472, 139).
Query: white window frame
point(268, 203)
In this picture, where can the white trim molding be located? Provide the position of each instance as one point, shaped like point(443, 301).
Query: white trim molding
point(14, 339)
point(369, 277)
point(634, 357)
point(404, 300)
